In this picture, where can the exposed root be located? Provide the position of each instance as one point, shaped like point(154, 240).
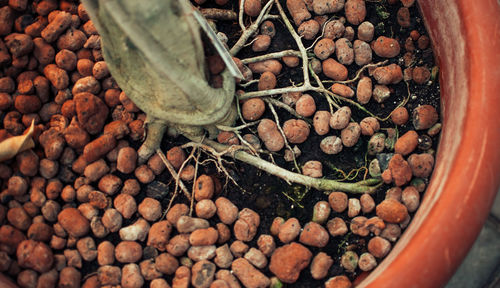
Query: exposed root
point(290, 110)
point(273, 55)
point(219, 14)
point(173, 173)
point(155, 131)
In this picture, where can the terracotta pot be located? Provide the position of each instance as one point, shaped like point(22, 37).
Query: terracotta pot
point(467, 172)
point(466, 175)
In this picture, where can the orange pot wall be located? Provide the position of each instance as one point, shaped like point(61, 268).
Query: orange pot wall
point(465, 35)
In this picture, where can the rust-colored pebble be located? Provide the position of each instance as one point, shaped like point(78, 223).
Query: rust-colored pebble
point(406, 143)
point(305, 106)
point(392, 211)
point(386, 47)
point(334, 70)
point(252, 109)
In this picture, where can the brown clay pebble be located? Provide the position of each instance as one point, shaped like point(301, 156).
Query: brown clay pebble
point(248, 275)
point(73, 222)
point(245, 228)
point(288, 260)
point(342, 90)
point(34, 255)
point(338, 282)
point(126, 160)
point(131, 276)
point(355, 11)
point(128, 252)
point(367, 203)
point(336, 227)
point(321, 122)
point(269, 133)
point(105, 253)
point(203, 188)
point(334, 70)
point(314, 235)
point(305, 106)
point(321, 212)
point(267, 81)
point(266, 244)
point(350, 134)
point(338, 201)
point(367, 262)
point(364, 90)
point(308, 29)
point(344, 51)
point(379, 247)
point(150, 209)
point(203, 237)
point(159, 235)
point(205, 209)
point(226, 210)
point(399, 171)
point(178, 245)
point(392, 211)
point(126, 205)
point(256, 258)
point(176, 157)
point(298, 10)
point(400, 116)
point(252, 109)
point(182, 277)
point(291, 61)
point(261, 43)
point(223, 256)
point(252, 8)
point(424, 117)
point(320, 265)
point(313, 169)
point(366, 31)
point(406, 143)
point(421, 164)
point(289, 230)
point(324, 48)
point(369, 126)
point(340, 118)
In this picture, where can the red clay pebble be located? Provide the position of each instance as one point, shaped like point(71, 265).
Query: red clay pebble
point(314, 235)
point(92, 112)
point(150, 209)
point(344, 51)
point(392, 211)
point(131, 187)
point(375, 225)
point(342, 90)
point(362, 52)
point(269, 133)
point(320, 265)
point(353, 207)
point(391, 232)
point(249, 275)
point(245, 228)
point(105, 253)
point(203, 237)
point(253, 108)
point(338, 282)
point(364, 90)
point(256, 258)
point(178, 245)
point(158, 283)
point(223, 256)
point(399, 116)
point(349, 261)
point(386, 47)
point(423, 42)
point(367, 262)
point(261, 43)
point(324, 48)
point(128, 252)
point(73, 222)
point(144, 174)
point(336, 227)
point(308, 29)
point(334, 70)
point(313, 169)
point(267, 28)
point(394, 193)
point(406, 143)
point(131, 276)
point(17, 186)
point(421, 164)
point(34, 255)
point(305, 106)
point(126, 205)
point(350, 134)
point(224, 233)
point(205, 209)
point(96, 170)
point(159, 234)
point(228, 138)
point(379, 247)
point(321, 122)
point(424, 117)
point(287, 262)
point(291, 61)
point(338, 201)
point(112, 220)
point(399, 171)
point(27, 278)
point(203, 188)
point(355, 11)
point(238, 248)
point(267, 81)
point(289, 230)
point(298, 10)
point(266, 244)
point(296, 130)
point(18, 218)
point(87, 249)
point(226, 210)
point(369, 126)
